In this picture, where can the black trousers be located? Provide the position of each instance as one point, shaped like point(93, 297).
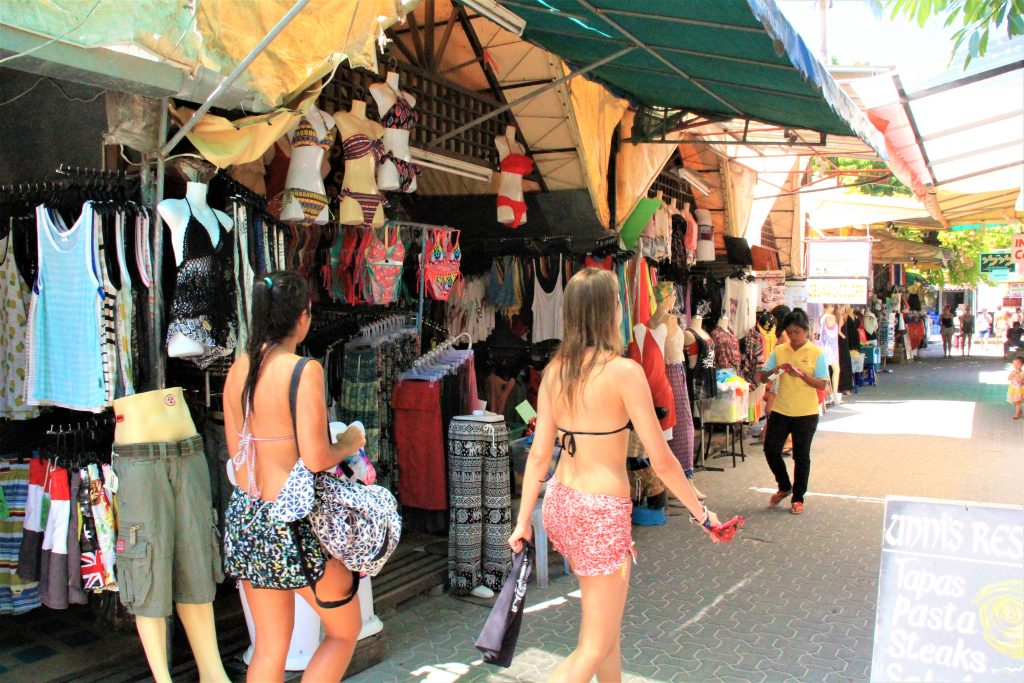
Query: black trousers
point(802, 428)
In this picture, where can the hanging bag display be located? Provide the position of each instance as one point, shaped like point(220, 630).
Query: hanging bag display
point(500, 633)
point(354, 523)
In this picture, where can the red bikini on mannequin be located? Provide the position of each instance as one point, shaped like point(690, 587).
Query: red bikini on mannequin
point(514, 165)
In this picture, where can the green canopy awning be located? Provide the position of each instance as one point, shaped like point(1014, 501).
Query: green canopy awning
point(717, 58)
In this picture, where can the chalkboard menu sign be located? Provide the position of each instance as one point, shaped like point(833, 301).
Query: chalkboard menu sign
point(950, 592)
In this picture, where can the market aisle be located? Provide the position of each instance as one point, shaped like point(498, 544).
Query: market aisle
point(793, 599)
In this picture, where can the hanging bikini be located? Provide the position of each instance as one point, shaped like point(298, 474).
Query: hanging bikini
point(312, 203)
point(384, 259)
point(442, 269)
point(521, 165)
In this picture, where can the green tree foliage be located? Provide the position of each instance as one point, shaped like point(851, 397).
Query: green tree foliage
point(967, 246)
point(977, 19)
point(886, 185)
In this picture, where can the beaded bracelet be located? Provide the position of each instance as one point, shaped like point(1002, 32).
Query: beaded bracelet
point(706, 523)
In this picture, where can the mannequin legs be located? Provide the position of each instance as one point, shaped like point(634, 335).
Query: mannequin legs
point(202, 637)
point(835, 381)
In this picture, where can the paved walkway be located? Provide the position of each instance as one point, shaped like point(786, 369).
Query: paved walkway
point(793, 598)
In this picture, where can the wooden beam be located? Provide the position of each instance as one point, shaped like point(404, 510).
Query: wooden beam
point(409, 56)
point(492, 80)
point(452, 18)
point(428, 29)
point(417, 39)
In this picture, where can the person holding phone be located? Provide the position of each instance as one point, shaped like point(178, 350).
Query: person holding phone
point(802, 372)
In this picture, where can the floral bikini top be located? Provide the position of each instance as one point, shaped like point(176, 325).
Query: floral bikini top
point(401, 115)
point(306, 135)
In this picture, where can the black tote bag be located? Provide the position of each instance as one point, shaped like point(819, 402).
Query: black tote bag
point(498, 638)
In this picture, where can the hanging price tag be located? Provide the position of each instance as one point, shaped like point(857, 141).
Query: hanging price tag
point(5, 512)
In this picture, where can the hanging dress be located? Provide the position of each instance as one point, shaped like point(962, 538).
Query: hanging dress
point(830, 342)
point(681, 442)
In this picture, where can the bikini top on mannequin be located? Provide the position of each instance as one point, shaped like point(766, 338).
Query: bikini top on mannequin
point(520, 164)
point(306, 135)
point(359, 145)
point(401, 115)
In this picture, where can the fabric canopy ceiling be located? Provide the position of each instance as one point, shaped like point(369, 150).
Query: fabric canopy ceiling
point(963, 132)
point(891, 249)
point(218, 34)
point(719, 59)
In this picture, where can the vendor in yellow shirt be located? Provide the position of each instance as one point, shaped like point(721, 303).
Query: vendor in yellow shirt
point(803, 372)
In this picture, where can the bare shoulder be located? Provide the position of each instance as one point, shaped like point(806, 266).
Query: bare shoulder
point(626, 369)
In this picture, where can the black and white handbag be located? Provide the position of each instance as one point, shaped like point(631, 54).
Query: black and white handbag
point(355, 523)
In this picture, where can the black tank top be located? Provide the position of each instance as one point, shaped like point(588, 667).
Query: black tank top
point(204, 283)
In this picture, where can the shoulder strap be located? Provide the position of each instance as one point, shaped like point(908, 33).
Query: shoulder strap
point(293, 396)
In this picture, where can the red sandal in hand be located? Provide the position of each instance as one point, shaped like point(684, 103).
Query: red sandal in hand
point(722, 533)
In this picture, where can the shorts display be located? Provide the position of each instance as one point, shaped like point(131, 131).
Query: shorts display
point(262, 551)
point(168, 547)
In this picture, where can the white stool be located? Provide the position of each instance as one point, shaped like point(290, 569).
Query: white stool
point(540, 544)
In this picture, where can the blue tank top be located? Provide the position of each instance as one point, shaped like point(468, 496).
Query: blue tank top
point(65, 366)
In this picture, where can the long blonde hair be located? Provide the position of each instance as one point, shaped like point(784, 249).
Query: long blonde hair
point(588, 317)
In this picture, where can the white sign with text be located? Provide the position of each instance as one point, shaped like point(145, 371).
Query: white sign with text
point(950, 592)
point(838, 258)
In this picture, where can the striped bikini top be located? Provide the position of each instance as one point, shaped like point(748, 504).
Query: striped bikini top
point(306, 135)
point(359, 145)
point(401, 115)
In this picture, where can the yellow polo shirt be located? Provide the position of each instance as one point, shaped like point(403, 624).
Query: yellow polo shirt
point(796, 398)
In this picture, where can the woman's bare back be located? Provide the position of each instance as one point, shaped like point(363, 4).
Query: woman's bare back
point(270, 419)
point(599, 463)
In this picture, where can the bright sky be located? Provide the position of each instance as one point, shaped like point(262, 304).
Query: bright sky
point(855, 35)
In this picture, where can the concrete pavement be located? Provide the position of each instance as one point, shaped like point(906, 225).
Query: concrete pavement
point(793, 598)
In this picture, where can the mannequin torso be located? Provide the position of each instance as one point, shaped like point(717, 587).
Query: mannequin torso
point(311, 137)
point(690, 340)
point(360, 167)
point(178, 213)
point(511, 209)
point(153, 416)
point(396, 137)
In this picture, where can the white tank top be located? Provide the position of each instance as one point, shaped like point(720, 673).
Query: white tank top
point(547, 307)
point(65, 365)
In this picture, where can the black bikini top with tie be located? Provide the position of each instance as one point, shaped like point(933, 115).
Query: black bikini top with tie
point(568, 442)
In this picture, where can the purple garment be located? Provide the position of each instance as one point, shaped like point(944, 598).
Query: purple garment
point(681, 442)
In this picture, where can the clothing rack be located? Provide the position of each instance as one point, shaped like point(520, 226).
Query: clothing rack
point(548, 244)
point(430, 356)
point(423, 228)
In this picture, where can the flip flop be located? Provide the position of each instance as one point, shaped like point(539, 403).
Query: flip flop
point(725, 532)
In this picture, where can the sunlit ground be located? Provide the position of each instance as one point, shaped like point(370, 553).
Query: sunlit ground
point(951, 419)
point(998, 377)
